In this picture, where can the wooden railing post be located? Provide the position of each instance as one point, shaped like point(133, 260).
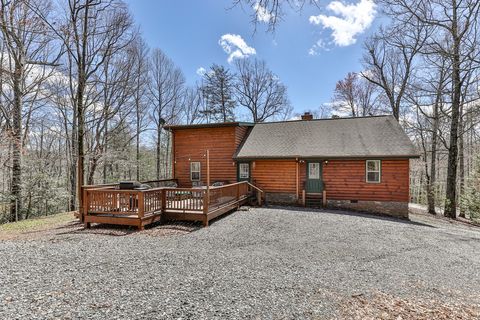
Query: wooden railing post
point(141, 204)
point(84, 212)
point(205, 202)
point(164, 200)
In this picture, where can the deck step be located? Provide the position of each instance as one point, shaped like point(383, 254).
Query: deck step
point(313, 200)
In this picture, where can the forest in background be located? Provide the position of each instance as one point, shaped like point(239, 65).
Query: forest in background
point(83, 98)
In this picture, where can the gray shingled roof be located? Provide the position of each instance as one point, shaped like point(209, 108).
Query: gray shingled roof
point(328, 138)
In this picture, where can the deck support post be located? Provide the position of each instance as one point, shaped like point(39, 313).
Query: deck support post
point(303, 197)
point(87, 225)
point(324, 198)
point(238, 196)
point(83, 210)
point(205, 221)
point(206, 199)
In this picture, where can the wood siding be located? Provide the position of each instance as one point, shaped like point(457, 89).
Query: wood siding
point(240, 134)
point(345, 180)
point(275, 175)
point(190, 145)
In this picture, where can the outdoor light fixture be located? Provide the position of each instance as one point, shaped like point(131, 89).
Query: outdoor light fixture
point(326, 162)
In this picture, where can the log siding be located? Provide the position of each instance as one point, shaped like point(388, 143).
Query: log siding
point(190, 145)
point(345, 180)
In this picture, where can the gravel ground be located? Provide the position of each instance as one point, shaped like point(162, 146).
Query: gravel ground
point(265, 263)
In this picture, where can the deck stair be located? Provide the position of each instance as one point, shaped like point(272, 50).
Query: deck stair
point(313, 200)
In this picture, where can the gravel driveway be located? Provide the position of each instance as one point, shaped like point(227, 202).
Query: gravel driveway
point(266, 263)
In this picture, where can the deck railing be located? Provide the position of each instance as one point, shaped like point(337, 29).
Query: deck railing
point(184, 199)
point(224, 195)
point(108, 200)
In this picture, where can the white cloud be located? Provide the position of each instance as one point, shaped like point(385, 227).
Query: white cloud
point(262, 13)
point(235, 47)
point(201, 71)
point(319, 45)
point(349, 20)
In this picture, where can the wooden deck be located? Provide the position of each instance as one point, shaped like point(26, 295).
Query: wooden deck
point(107, 204)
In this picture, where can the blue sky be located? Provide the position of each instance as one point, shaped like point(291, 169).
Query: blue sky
point(189, 33)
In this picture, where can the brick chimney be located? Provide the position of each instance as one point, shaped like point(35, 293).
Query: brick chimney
point(307, 116)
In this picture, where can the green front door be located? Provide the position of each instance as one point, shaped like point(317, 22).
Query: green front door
point(314, 182)
point(243, 171)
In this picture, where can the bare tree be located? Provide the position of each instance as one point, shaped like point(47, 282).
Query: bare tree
point(260, 91)
point(355, 96)
point(428, 95)
point(271, 12)
point(92, 31)
point(389, 61)
point(455, 23)
point(140, 63)
point(192, 105)
point(28, 48)
point(166, 86)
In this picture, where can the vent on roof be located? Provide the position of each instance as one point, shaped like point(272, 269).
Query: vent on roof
point(307, 116)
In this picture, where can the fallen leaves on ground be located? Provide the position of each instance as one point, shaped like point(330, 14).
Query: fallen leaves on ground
point(387, 307)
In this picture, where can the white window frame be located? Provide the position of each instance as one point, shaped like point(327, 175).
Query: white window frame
point(244, 164)
point(379, 171)
point(192, 164)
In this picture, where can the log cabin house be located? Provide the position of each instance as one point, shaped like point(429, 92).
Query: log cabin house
point(355, 163)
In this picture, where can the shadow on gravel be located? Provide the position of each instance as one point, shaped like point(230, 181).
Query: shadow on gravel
point(155, 229)
point(360, 214)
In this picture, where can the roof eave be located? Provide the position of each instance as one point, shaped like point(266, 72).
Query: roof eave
point(207, 125)
point(407, 156)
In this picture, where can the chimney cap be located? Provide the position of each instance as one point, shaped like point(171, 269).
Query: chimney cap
point(307, 116)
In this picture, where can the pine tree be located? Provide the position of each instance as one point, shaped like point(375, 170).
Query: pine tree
point(217, 90)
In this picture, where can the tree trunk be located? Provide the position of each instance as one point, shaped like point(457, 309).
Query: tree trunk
point(137, 147)
point(16, 187)
point(433, 161)
point(461, 160)
point(451, 186)
point(159, 149)
point(80, 109)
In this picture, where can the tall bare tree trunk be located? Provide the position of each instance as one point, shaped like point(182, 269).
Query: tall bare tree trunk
point(461, 159)
point(451, 187)
point(433, 165)
point(137, 147)
point(159, 150)
point(16, 188)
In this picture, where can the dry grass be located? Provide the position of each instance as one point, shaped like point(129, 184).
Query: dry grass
point(51, 227)
point(14, 229)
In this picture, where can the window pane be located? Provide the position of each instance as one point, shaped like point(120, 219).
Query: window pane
point(314, 170)
point(244, 170)
point(195, 166)
point(194, 171)
point(373, 177)
point(373, 165)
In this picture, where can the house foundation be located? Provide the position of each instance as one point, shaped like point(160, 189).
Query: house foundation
point(391, 208)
